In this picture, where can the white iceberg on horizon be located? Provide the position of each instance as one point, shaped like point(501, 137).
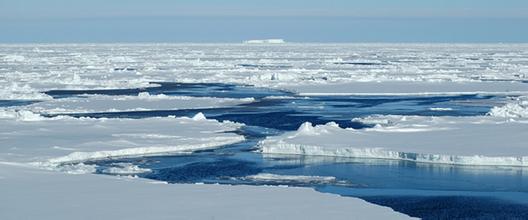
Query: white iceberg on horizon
point(265, 41)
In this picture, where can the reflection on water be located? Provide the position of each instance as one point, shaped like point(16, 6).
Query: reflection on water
point(229, 164)
point(11, 103)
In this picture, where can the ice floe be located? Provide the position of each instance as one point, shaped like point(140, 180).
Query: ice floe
point(13, 58)
point(403, 88)
point(125, 169)
point(14, 91)
point(441, 109)
point(41, 194)
point(450, 140)
point(518, 108)
point(20, 115)
point(142, 102)
point(276, 178)
point(42, 140)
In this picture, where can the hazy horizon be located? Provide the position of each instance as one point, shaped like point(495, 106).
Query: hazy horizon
point(232, 21)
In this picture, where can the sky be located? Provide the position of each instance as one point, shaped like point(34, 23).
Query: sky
point(94, 21)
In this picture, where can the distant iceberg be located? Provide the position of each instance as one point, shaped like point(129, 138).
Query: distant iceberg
point(265, 41)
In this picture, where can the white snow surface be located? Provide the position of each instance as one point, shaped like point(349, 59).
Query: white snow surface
point(291, 178)
point(27, 71)
point(125, 169)
point(479, 140)
point(299, 67)
point(143, 102)
point(67, 139)
point(518, 108)
point(37, 193)
point(28, 193)
point(403, 88)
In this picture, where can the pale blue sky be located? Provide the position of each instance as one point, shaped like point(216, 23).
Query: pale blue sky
point(237, 20)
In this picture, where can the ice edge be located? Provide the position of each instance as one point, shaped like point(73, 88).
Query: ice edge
point(379, 153)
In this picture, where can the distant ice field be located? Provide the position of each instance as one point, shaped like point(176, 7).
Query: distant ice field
point(28, 70)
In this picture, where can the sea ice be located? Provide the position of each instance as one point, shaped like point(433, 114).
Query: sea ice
point(515, 109)
point(335, 68)
point(142, 102)
point(38, 194)
point(43, 140)
point(125, 169)
point(275, 178)
point(479, 140)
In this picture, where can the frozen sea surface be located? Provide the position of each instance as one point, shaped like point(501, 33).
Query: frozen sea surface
point(199, 113)
point(270, 116)
point(293, 110)
point(28, 70)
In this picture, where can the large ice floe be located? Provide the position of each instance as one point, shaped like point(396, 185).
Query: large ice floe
point(406, 88)
point(27, 137)
point(143, 102)
point(31, 142)
point(482, 140)
point(36, 194)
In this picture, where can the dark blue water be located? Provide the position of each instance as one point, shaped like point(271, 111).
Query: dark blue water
point(449, 207)
point(10, 103)
point(423, 190)
point(182, 89)
point(290, 113)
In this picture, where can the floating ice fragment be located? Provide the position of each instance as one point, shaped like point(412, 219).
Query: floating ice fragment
point(516, 109)
point(441, 109)
point(24, 115)
point(14, 58)
point(276, 178)
point(199, 117)
point(125, 169)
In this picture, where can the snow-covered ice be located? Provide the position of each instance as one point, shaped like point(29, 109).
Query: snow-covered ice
point(401, 88)
point(142, 102)
point(28, 193)
point(28, 139)
point(66, 139)
point(518, 108)
point(482, 140)
point(269, 177)
point(125, 169)
point(104, 66)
